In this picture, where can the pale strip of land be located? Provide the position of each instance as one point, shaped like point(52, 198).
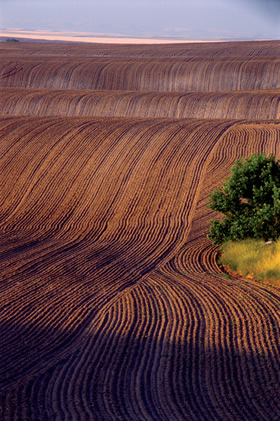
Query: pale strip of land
point(86, 37)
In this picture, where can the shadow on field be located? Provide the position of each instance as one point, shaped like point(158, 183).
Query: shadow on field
point(49, 374)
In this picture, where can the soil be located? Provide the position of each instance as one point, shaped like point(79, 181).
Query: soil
point(113, 306)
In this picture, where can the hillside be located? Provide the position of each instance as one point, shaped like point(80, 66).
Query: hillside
point(112, 303)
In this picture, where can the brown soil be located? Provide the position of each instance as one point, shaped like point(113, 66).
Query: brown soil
point(112, 303)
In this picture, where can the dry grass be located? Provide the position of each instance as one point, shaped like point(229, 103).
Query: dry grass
point(253, 258)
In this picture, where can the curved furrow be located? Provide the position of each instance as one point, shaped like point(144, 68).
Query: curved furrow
point(113, 305)
point(199, 306)
point(92, 256)
point(248, 315)
point(129, 341)
point(243, 138)
point(51, 102)
point(183, 143)
point(181, 75)
point(248, 342)
point(268, 48)
point(186, 321)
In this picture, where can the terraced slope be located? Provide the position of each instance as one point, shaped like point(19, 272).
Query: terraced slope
point(112, 304)
point(52, 102)
point(196, 74)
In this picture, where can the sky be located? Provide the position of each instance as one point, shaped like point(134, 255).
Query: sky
point(183, 19)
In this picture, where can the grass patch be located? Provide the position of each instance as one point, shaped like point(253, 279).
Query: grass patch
point(253, 258)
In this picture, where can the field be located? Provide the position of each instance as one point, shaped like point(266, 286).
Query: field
point(113, 306)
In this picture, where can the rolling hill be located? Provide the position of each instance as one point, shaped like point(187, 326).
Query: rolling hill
point(113, 306)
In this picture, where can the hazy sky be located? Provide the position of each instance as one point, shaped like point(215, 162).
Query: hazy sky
point(187, 19)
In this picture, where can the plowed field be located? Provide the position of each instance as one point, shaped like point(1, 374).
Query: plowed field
point(112, 303)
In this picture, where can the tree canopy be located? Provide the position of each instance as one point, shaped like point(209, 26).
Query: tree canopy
point(249, 200)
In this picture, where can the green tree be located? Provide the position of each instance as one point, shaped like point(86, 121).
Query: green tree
point(249, 200)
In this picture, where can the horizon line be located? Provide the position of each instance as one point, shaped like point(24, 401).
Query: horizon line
point(86, 37)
